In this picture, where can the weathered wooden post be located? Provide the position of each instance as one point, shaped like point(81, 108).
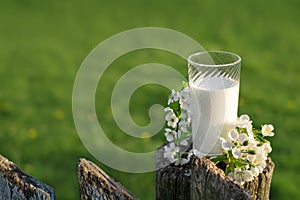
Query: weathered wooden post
point(94, 183)
point(14, 184)
point(202, 179)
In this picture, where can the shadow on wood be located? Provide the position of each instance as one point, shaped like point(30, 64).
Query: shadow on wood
point(14, 184)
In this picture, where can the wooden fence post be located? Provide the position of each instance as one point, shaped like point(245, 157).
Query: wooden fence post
point(14, 184)
point(199, 179)
point(202, 179)
point(94, 183)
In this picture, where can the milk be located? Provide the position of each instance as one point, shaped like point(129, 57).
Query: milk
point(214, 104)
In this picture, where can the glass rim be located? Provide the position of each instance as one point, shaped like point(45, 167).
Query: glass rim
point(214, 65)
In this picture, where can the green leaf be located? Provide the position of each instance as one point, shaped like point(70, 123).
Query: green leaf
point(184, 84)
point(259, 137)
point(184, 135)
point(218, 159)
point(255, 131)
point(176, 108)
point(240, 163)
point(228, 169)
point(174, 105)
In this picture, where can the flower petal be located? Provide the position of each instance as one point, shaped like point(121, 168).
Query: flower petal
point(254, 171)
point(233, 135)
point(236, 152)
point(267, 130)
point(242, 138)
point(247, 175)
point(227, 145)
point(267, 147)
point(184, 142)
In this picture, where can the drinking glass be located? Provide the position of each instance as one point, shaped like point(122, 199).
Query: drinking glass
point(214, 79)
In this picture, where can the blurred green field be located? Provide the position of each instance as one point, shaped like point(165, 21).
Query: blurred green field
point(42, 44)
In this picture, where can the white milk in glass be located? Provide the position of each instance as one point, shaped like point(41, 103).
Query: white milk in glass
point(214, 105)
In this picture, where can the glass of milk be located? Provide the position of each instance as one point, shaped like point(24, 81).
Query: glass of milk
point(214, 78)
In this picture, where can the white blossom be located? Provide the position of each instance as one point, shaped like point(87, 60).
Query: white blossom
point(244, 118)
point(184, 95)
point(236, 152)
point(171, 152)
point(183, 115)
point(247, 175)
point(173, 97)
point(188, 116)
point(242, 138)
point(183, 125)
point(233, 135)
point(184, 142)
point(187, 159)
point(238, 176)
point(198, 153)
point(261, 156)
point(184, 161)
point(172, 120)
point(168, 109)
point(170, 134)
point(262, 165)
point(183, 139)
point(178, 127)
point(244, 146)
point(244, 121)
point(267, 147)
point(267, 130)
point(251, 158)
point(252, 144)
point(241, 176)
point(238, 140)
point(226, 145)
point(254, 171)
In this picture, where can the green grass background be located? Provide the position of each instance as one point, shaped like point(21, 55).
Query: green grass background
point(42, 44)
